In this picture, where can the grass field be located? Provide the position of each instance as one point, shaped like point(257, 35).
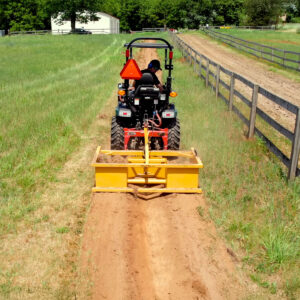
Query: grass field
point(276, 39)
point(290, 27)
point(284, 40)
point(51, 95)
point(51, 89)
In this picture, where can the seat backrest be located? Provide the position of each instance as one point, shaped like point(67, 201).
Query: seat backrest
point(145, 85)
point(146, 79)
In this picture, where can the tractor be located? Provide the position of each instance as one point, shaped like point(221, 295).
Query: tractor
point(145, 106)
point(144, 158)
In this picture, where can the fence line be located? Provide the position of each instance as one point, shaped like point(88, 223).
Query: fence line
point(34, 32)
point(62, 31)
point(284, 58)
point(160, 29)
point(204, 63)
point(271, 27)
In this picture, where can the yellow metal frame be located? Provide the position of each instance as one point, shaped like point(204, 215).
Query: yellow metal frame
point(149, 171)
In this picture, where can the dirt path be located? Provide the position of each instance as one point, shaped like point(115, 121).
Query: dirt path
point(256, 72)
point(156, 249)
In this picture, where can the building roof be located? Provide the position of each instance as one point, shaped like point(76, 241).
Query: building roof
point(108, 15)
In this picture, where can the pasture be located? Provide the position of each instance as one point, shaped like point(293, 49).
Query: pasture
point(277, 39)
point(52, 91)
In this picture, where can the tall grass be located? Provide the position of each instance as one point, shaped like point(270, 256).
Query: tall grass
point(250, 200)
point(52, 87)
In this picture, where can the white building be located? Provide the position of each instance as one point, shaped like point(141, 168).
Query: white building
point(106, 24)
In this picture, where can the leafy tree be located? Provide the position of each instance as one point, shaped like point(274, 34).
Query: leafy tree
point(22, 15)
point(263, 12)
point(74, 10)
point(227, 11)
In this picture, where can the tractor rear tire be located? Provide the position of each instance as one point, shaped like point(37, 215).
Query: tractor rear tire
point(174, 136)
point(117, 135)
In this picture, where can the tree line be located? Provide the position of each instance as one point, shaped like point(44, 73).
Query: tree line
point(136, 14)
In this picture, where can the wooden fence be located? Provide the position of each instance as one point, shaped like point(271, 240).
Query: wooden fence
point(202, 65)
point(284, 58)
point(59, 32)
point(271, 27)
point(33, 32)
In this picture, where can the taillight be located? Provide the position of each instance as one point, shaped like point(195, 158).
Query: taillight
point(168, 114)
point(123, 112)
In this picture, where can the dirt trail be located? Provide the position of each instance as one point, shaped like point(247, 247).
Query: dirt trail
point(156, 249)
point(256, 72)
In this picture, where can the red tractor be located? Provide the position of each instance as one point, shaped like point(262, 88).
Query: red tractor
point(145, 106)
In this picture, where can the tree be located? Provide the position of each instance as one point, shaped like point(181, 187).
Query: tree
point(74, 10)
point(22, 15)
point(227, 11)
point(263, 12)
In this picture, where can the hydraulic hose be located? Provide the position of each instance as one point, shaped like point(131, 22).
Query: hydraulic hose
point(159, 120)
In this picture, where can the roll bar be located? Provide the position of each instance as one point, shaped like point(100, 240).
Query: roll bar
point(130, 45)
point(168, 64)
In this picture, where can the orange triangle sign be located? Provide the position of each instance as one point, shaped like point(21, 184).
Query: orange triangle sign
point(131, 70)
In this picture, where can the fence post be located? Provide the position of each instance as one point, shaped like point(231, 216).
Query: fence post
point(299, 62)
point(195, 59)
point(253, 111)
point(200, 67)
point(295, 149)
point(217, 81)
point(232, 81)
point(207, 73)
point(283, 58)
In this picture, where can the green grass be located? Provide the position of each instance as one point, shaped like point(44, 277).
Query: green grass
point(50, 95)
point(250, 200)
point(52, 87)
point(288, 41)
point(282, 143)
point(283, 40)
point(291, 26)
point(276, 39)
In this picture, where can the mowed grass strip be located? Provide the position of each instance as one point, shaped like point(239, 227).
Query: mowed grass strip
point(52, 87)
point(250, 200)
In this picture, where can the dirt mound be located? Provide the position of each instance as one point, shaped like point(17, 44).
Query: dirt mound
point(112, 159)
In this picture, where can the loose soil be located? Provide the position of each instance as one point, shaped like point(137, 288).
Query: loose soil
point(255, 71)
point(156, 249)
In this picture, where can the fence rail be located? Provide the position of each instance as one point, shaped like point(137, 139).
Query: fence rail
point(271, 27)
point(34, 32)
point(160, 29)
point(64, 31)
point(203, 63)
point(284, 58)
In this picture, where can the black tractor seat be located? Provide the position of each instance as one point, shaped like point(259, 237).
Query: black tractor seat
point(145, 86)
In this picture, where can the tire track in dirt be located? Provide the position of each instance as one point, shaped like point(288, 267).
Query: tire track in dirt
point(155, 249)
point(254, 71)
